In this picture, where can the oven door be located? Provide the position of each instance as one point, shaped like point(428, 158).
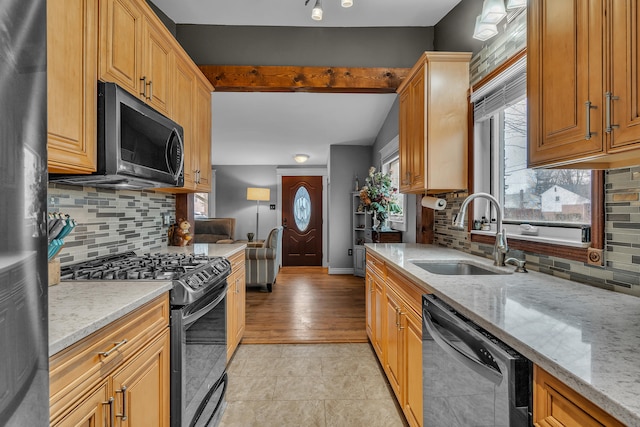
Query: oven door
point(198, 360)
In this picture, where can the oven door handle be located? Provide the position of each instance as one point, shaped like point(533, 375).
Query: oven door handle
point(458, 353)
point(188, 319)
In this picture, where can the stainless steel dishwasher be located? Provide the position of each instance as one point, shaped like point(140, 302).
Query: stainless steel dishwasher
point(470, 378)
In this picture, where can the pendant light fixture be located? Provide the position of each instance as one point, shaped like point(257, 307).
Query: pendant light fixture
point(484, 31)
point(515, 4)
point(493, 11)
point(316, 13)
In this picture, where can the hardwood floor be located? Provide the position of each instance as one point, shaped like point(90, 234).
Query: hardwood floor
point(307, 305)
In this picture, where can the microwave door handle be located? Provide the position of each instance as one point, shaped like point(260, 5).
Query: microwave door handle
point(459, 354)
point(167, 153)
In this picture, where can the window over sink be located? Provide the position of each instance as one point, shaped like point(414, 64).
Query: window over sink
point(544, 205)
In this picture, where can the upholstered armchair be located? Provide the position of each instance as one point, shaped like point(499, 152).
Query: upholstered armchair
point(214, 230)
point(263, 263)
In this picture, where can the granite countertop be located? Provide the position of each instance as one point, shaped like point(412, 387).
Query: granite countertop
point(585, 336)
point(77, 309)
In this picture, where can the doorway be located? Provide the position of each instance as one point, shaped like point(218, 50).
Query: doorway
point(302, 210)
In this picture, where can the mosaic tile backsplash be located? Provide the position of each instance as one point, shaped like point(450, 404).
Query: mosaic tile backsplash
point(110, 221)
point(621, 270)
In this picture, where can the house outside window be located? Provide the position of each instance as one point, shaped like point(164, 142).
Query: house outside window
point(556, 201)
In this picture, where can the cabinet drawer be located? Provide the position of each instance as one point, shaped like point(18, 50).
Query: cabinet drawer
point(408, 291)
point(376, 265)
point(237, 261)
point(76, 368)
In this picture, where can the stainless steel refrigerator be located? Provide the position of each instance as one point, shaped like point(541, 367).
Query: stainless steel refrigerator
point(24, 384)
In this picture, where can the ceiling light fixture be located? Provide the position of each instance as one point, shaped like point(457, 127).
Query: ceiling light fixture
point(515, 4)
point(301, 158)
point(484, 31)
point(316, 13)
point(493, 11)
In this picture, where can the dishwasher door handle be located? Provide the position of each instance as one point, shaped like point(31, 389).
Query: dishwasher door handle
point(459, 354)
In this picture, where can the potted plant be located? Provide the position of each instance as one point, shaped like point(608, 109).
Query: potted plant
point(379, 197)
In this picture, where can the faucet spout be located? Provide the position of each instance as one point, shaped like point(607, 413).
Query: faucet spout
point(500, 247)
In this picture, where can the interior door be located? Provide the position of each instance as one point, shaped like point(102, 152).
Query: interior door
point(302, 220)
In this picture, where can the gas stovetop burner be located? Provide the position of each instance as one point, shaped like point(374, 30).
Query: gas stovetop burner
point(192, 274)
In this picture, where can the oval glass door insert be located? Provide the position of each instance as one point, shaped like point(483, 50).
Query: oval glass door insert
point(302, 208)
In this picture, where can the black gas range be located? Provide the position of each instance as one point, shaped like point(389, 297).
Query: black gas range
point(198, 323)
point(193, 275)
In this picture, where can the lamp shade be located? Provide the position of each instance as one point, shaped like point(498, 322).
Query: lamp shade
point(261, 194)
point(493, 11)
point(484, 31)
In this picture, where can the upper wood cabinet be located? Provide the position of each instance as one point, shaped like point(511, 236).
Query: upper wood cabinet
point(433, 124)
point(183, 109)
point(72, 61)
point(158, 65)
point(135, 53)
point(582, 83)
point(202, 134)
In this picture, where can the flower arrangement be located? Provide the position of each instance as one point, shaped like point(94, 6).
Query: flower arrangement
point(379, 195)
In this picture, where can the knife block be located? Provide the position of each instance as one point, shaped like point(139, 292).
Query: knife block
point(54, 272)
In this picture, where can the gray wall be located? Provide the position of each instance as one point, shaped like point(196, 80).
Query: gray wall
point(345, 161)
point(454, 32)
point(168, 22)
point(231, 197)
point(346, 47)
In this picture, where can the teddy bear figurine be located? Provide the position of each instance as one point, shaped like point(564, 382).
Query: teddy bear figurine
point(179, 234)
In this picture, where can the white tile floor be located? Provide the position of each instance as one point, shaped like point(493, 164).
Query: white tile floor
point(308, 385)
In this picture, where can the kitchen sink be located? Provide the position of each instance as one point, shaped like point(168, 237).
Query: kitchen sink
point(456, 268)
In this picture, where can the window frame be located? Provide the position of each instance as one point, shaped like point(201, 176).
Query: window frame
point(389, 154)
point(597, 193)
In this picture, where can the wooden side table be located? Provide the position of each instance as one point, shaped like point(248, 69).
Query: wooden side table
point(391, 236)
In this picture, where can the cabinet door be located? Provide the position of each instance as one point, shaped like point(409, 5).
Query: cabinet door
point(72, 62)
point(121, 44)
point(564, 73)
point(625, 74)
point(95, 410)
point(404, 136)
point(232, 316)
point(378, 323)
point(203, 137)
point(393, 340)
point(412, 362)
point(417, 134)
point(555, 404)
point(158, 64)
point(183, 104)
point(370, 304)
point(240, 305)
point(141, 388)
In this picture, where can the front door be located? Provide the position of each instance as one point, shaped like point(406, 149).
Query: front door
point(302, 220)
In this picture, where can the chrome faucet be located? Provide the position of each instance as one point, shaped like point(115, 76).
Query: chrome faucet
point(500, 247)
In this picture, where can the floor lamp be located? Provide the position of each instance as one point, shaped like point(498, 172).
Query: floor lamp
point(258, 194)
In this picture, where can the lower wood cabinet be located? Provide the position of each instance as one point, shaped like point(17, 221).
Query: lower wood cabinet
point(236, 303)
point(394, 326)
point(119, 375)
point(555, 404)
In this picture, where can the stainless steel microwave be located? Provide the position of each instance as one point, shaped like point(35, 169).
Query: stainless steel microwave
point(138, 147)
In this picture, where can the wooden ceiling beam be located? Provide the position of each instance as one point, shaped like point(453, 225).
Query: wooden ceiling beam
point(246, 78)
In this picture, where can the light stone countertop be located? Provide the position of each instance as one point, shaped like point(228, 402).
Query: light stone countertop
point(587, 337)
point(77, 309)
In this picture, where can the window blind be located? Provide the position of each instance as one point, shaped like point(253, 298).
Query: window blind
point(507, 89)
